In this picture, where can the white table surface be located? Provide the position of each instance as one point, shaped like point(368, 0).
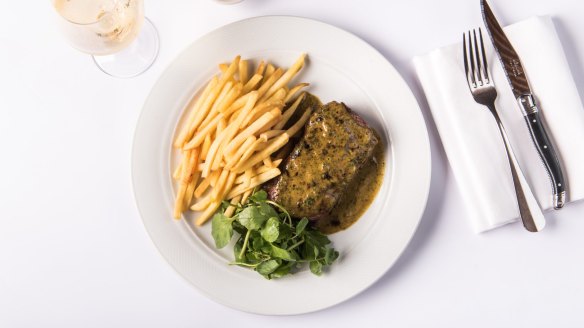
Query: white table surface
point(74, 252)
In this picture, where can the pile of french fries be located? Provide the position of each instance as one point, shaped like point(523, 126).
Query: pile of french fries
point(231, 133)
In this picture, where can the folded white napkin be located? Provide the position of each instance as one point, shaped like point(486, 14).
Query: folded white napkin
point(470, 136)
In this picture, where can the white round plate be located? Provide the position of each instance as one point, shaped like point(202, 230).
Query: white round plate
point(340, 67)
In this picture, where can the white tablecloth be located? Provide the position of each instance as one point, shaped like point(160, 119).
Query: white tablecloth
point(74, 253)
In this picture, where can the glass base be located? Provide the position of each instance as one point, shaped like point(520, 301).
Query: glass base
point(134, 59)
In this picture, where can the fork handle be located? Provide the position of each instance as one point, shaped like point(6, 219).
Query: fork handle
point(530, 212)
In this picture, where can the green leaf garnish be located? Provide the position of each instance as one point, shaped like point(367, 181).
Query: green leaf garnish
point(270, 241)
point(301, 226)
point(316, 267)
point(271, 230)
point(282, 253)
point(252, 218)
point(221, 230)
point(267, 267)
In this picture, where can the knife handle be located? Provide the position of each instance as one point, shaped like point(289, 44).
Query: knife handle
point(545, 148)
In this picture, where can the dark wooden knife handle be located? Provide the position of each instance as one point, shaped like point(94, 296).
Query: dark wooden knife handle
point(548, 156)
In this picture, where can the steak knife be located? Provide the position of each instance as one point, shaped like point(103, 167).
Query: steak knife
point(520, 86)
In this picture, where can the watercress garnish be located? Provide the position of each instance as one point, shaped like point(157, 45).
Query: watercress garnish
point(270, 241)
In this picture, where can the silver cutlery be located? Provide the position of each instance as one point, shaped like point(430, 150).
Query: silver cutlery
point(520, 86)
point(483, 91)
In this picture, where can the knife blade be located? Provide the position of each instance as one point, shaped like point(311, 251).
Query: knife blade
point(520, 86)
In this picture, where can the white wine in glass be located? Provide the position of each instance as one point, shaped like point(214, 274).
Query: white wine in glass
point(121, 40)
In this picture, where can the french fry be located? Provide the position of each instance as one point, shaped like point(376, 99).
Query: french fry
point(205, 133)
point(289, 112)
point(205, 183)
point(220, 99)
point(233, 116)
point(256, 146)
point(260, 109)
point(283, 152)
point(202, 113)
point(269, 82)
point(275, 163)
point(208, 213)
point(255, 181)
point(245, 178)
point(205, 148)
point(273, 146)
point(182, 136)
point(270, 69)
point(223, 67)
point(290, 73)
point(214, 177)
point(232, 160)
point(221, 105)
point(292, 92)
point(191, 189)
point(261, 68)
point(271, 134)
point(235, 125)
point(212, 153)
point(182, 187)
point(231, 209)
point(263, 137)
point(228, 74)
point(268, 162)
point(246, 109)
point(255, 115)
point(217, 162)
point(221, 126)
point(186, 178)
point(202, 204)
point(245, 196)
point(249, 131)
point(243, 71)
point(252, 83)
point(262, 145)
point(219, 185)
point(228, 185)
point(190, 192)
point(178, 202)
point(237, 104)
point(206, 106)
point(248, 175)
point(273, 122)
point(278, 95)
point(177, 172)
point(299, 124)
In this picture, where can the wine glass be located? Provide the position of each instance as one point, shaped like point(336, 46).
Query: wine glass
point(122, 42)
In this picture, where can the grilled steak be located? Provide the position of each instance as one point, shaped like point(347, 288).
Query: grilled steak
point(335, 145)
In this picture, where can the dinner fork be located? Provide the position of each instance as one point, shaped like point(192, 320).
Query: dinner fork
point(483, 91)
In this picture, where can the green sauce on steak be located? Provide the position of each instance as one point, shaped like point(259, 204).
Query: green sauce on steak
point(335, 145)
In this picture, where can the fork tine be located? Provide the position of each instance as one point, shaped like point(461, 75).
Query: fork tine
point(472, 61)
point(479, 69)
point(465, 55)
point(485, 67)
